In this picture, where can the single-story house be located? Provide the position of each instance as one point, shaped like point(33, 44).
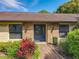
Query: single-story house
point(40, 27)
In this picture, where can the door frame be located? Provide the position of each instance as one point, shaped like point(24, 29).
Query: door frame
point(46, 41)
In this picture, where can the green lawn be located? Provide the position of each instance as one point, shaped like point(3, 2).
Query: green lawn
point(4, 57)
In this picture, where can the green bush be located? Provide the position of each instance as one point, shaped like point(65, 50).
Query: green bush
point(9, 48)
point(55, 40)
point(4, 45)
point(12, 49)
point(71, 45)
point(36, 53)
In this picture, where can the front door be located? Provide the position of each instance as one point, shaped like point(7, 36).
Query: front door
point(40, 32)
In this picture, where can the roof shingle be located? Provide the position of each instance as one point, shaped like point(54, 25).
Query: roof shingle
point(21, 16)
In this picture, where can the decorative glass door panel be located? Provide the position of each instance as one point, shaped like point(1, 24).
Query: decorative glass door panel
point(40, 32)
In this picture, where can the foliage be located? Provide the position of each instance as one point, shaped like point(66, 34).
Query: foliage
point(3, 46)
point(26, 48)
point(71, 45)
point(36, 53)
point(69, 7)
point(76, 26)
point(43, 11)
point(55, 40)
point(10, 48)
point(5, 57)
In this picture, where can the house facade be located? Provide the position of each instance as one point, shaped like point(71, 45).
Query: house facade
point(39, 27)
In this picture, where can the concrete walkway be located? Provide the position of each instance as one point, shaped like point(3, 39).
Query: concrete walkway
point(48, 52)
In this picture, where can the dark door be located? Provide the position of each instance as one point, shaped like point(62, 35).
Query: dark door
point(40, 32)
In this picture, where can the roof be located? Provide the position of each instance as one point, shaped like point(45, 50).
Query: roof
point(23, 16)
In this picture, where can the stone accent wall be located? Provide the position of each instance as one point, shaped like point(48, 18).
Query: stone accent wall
point(49, 33)
point(28, 31)
point(53, 31)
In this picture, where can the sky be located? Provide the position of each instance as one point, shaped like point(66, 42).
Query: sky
point(30, 5)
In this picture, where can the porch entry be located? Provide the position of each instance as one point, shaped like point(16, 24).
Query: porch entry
point(40, 32)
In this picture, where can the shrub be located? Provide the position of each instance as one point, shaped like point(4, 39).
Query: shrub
point(26, 49)
point(76, 26)
point(3, 46)
point(10, 48)
point(55, 40)
point(71, 45)
point(36, 53)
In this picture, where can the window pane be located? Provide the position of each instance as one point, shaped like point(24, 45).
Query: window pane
point(63, 30)
point(15, 27)
point(12, 28)
point(63, 34)
point(15, 36)
point(18, 28)
point(15, 31)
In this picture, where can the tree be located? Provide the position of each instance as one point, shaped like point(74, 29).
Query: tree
point(70, 7)
point(76, 26)
point(71, 44)
point(43, 11)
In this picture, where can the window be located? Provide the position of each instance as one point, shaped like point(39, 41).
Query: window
point(63, 30)
point(15, 31)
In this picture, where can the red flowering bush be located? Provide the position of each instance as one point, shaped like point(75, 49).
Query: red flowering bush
point(26, 48)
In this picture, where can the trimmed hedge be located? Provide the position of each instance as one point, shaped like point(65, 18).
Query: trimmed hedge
point(71, 45)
